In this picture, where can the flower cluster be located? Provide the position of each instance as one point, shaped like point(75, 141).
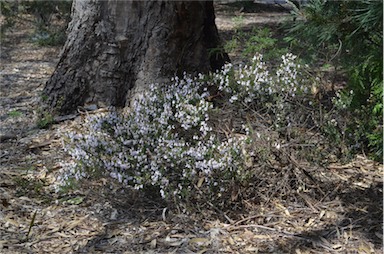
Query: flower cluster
point(271, 88)
point(256, 82)
point(164, 141)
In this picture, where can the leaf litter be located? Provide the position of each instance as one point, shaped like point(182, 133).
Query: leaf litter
point(99, 217)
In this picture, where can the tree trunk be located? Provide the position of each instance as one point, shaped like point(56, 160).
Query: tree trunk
point(115, 49)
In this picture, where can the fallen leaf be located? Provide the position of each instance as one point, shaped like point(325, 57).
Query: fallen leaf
point(153, 243)
point(366, 248)
point(310, 222)
point(73, 224)
point(173, 242)
point(231, 241)
point(261, 237)
point(199, 241)
point(322, 213)
point(200, 182)
point(284, 209)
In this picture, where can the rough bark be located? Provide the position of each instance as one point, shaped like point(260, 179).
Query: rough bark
point(117, 48)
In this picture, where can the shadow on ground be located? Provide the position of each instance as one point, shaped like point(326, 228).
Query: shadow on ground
point(362, 224)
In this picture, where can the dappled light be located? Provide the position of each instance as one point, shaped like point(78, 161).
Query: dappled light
point(277, 151)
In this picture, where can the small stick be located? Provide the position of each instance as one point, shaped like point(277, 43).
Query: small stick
point(288, 234)
point(31, 224)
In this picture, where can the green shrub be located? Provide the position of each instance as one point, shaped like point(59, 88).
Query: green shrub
point(262, 41)
point(349, 34)
point(15, 113)
point(259, 40)
point(46, 119)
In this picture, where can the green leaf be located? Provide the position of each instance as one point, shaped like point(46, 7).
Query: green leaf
point(75, 201)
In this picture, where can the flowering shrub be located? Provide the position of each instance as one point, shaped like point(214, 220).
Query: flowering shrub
point(256, 83)
point(164, 141)
point(276, 89)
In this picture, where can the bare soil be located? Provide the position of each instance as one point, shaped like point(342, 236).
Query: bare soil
point(100, 217)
